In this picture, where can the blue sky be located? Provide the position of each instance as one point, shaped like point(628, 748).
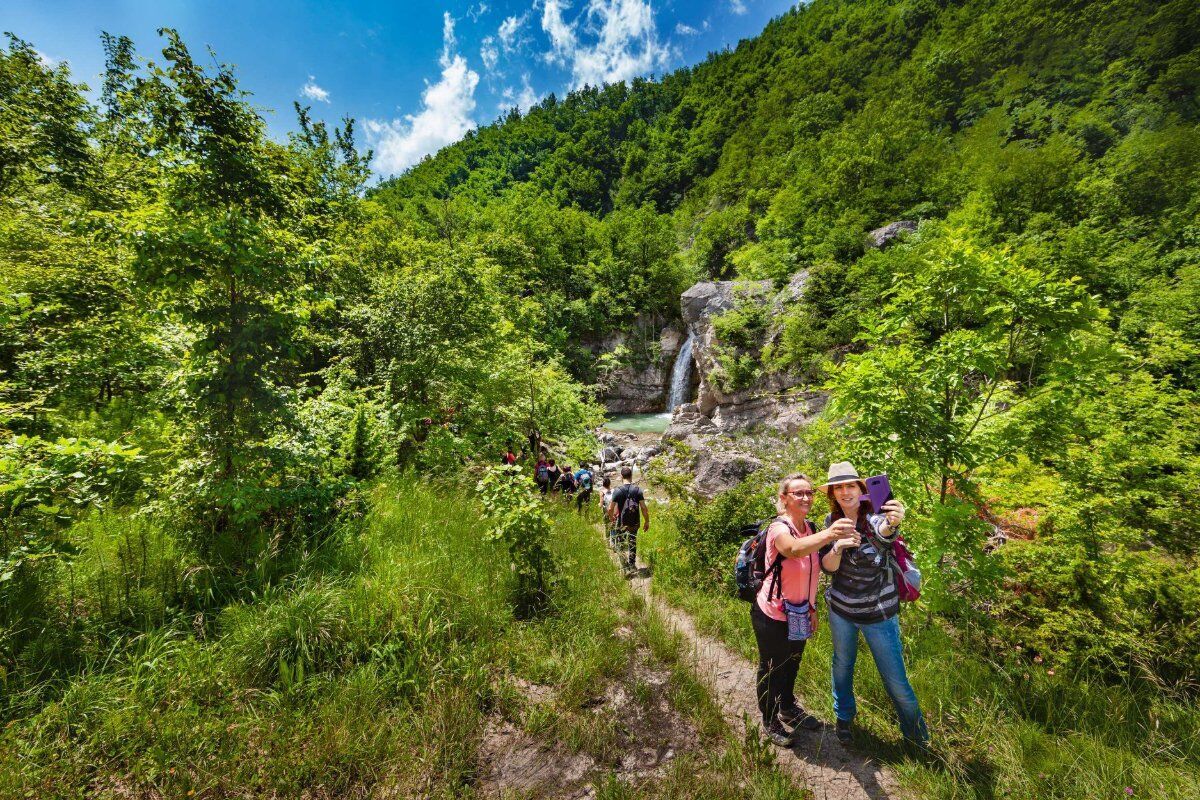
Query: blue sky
point(416, 76)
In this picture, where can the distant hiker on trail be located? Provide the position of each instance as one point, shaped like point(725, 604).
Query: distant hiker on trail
point(541, 473)
point(605, 500)
point(583, 487)
point(784, 612)
point(535, 442)
point(509, 456)
point(628, 508)
point(863, 597)
point(567, 482)
point(553, 474)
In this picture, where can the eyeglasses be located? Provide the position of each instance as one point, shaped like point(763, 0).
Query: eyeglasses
point(801, 494)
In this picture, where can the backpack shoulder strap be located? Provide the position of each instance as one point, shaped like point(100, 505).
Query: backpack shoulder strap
point(774, 571)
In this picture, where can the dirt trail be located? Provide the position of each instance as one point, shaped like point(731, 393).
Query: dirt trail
point(822, 764)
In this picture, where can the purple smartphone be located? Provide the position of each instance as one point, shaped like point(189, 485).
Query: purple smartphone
point(879, 490)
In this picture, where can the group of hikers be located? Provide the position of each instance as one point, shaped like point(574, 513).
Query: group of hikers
point(624, 508)
point(856, 545)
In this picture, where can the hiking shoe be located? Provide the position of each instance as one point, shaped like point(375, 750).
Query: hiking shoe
point(844, 731)
point(778, 734)
point(799, 718)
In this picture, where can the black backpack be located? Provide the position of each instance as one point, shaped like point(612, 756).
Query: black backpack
point(750, 569)
point(630, 514)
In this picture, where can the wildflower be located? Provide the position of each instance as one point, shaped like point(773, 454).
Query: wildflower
point(1129, 791)
point(1049, 672)
point(1037, 659)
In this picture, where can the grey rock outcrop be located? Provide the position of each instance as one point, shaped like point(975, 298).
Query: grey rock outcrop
point(767, 401)
point(722, 471)
point(882, 237)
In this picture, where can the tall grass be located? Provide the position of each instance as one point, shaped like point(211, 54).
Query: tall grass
point(1000, 729)
point(370, 672)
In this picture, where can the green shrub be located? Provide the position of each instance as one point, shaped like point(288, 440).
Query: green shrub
point(1129, 615)
point(518, 519)
point(711, 532)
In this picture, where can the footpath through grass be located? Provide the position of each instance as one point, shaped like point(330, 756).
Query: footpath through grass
point(373, 672)
point(998, 731)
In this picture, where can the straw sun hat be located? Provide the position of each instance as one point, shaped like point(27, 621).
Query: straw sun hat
point(843, 472)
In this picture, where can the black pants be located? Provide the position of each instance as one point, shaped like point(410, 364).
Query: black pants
point(630, 537)
point(778, 663)
point(581, 498)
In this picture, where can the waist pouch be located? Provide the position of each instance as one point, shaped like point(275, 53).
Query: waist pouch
point(799, 620)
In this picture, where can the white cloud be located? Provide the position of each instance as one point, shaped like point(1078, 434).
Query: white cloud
point(46, 60)
point(685, 30)
point(625, 42)
point(489, 53)
point(738, 6)
point(526, 99)
point(475, 12)
point(445, 115)
point(314, 92)
point(510, 32)
point(562, 35)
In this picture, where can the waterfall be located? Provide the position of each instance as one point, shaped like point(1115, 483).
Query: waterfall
point(681, 376)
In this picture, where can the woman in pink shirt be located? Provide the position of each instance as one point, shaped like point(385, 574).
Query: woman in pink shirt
point(790, 583)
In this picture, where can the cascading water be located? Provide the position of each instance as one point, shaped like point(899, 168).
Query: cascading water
point(681, 376)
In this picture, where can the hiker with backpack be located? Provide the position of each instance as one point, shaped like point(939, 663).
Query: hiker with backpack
point(583, 487)
point(541, 473)
point(627, 509)
point(865, 596)
point(777, 572)
point(605, 501)
point(566, 483)
point(553, 475)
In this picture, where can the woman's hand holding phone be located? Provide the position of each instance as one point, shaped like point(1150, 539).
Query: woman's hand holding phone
point(894, 512)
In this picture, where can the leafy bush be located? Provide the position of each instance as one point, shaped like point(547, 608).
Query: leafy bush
point(1127, 614)
point(519, 520)
point(711, 532)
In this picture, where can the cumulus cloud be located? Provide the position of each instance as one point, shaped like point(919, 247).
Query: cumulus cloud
point(737, 6)
point(314, 92)
point(685, 30)
point(510, 32)
point(613, 40)
point(524, 100)
point(445, 115)
point(562, 36)
point(488, 52)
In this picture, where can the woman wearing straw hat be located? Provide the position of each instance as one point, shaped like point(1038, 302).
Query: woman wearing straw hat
point(862, 598)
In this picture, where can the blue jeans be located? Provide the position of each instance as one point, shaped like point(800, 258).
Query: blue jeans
point(884, 640)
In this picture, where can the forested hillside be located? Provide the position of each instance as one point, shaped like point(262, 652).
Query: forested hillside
point(1033, 348)
point(253, 541)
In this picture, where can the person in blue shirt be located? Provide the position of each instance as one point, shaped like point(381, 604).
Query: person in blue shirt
point(583, 487)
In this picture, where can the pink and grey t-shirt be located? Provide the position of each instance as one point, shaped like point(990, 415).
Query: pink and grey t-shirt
point(798, 576)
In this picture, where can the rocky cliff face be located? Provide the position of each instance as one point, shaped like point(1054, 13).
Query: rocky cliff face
point(767, 401)
point(641, 388)
point(772, 406)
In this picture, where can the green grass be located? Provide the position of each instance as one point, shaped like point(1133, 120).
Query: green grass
point(999, 730)
point(371, 671)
